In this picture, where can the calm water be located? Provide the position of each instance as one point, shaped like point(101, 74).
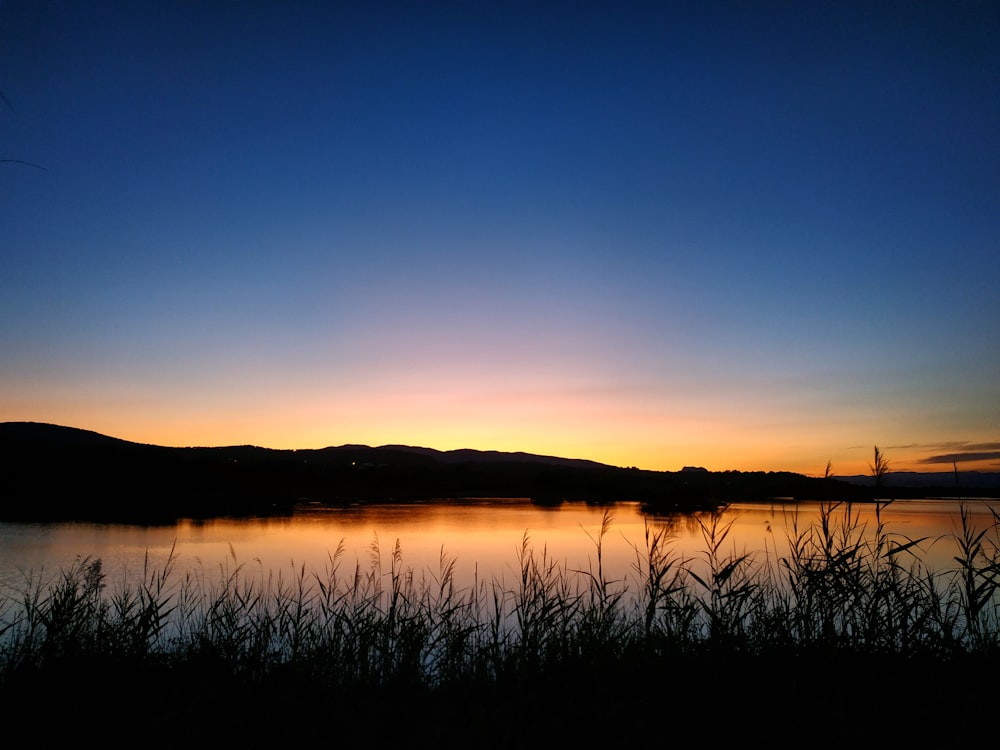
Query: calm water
point(483, 537)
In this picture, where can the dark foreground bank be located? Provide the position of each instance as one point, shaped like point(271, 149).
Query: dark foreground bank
point(711, 699)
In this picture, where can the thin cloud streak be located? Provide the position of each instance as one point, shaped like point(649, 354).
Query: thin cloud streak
point(949, 458)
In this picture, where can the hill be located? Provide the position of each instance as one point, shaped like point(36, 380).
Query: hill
point(943, 482)
point(54, 472)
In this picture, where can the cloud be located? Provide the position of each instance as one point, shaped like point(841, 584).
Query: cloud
point(954, 450)
point(968, 455)
point(959, 446)
point(983, 447)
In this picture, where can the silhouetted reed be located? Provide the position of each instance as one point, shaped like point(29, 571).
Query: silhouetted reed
point(841, 587)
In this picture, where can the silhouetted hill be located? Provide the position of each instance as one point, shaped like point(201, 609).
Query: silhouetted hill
point(52, 472)
point(55, 435)
point(944, 481)
point(464, 455)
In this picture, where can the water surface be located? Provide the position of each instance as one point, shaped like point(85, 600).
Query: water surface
point(482, 536)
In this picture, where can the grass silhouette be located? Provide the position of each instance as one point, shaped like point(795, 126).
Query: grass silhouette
point(850, 624)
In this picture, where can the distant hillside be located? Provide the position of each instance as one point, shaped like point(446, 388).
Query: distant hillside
point(465, 455)
point(942, 480)
point(52, 472)
point(55, 435)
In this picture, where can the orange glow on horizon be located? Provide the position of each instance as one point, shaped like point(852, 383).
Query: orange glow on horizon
point(623, 444)
point(569, 417)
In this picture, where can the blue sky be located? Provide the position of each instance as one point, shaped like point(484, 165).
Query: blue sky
point(743, 236)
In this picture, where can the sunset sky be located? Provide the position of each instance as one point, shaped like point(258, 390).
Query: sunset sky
point(754, 236)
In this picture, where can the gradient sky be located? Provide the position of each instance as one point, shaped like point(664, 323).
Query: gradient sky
point(735, 235)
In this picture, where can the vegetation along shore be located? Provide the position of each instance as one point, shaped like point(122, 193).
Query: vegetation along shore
point(849, 634)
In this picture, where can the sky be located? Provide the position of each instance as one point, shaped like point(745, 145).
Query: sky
point(742, 236)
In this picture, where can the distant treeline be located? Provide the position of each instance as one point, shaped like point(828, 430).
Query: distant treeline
point(59, 473)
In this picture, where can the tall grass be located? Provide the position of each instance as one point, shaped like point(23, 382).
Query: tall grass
point(840, 588)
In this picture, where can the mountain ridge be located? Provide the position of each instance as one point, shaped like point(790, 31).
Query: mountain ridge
point(70, 436)
point(56, 472)
point(75, 436)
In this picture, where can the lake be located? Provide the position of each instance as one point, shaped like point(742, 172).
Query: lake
point(482, 537)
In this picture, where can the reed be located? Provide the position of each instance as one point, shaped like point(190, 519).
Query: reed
point(841, 588)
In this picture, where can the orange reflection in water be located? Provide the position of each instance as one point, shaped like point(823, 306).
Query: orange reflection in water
point(765, 528)
point(482, 537)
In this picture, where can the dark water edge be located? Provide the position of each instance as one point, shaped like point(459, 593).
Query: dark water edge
point(779, 699)
point(54, 473)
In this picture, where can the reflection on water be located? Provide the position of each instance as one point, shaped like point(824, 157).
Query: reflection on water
point(482, 536)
